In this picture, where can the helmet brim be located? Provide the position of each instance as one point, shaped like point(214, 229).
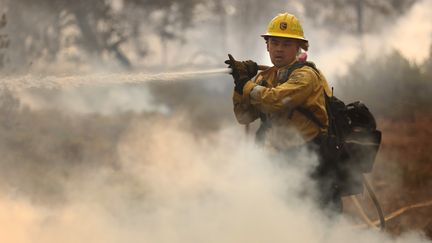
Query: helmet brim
point(304, 42)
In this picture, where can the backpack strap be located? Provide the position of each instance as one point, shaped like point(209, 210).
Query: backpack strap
point(311, 116)
point(299, 64)
point(307, 113)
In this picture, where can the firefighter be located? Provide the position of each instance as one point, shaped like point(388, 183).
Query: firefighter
point(279, 95)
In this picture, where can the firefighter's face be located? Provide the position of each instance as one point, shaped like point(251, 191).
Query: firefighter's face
point(283, 51)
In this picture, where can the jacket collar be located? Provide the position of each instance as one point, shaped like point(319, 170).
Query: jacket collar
point(282, 72)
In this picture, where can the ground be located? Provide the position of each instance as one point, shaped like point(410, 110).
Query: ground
point(402, 174)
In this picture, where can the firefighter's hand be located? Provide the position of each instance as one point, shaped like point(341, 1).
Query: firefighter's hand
point(242, 71)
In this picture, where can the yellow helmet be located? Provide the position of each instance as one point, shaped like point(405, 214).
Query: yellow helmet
point(287, 26)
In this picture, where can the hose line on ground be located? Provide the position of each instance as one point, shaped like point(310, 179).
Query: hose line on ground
point(375, 202)
point(362, 212)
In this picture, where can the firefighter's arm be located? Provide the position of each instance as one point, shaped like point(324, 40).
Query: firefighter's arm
point(288, 95)
point(244, 113)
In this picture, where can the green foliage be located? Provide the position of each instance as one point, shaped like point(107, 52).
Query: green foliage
point(391, 86)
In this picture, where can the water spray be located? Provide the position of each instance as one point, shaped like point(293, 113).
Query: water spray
point(57, 82)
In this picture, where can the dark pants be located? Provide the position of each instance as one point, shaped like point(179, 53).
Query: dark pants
point(327, 178)
point(325, 175)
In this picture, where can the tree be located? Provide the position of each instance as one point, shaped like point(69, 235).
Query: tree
point(4, 41)
point(391, 86)
point(355, 16)
point(39, 28)
point(168, 20)
point(100, 28)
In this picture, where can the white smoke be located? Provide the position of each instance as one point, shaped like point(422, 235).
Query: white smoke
point(106, 100)
point(175, 187)
point(410, 34)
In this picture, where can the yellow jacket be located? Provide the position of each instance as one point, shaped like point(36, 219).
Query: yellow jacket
point(277, 100)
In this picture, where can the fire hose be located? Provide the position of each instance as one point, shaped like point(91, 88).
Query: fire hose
point(375, 202)
point(383, 219)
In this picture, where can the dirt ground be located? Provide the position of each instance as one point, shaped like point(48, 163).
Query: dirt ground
point(402, 175)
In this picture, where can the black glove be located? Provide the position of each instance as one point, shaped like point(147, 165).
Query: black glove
point(241, 72)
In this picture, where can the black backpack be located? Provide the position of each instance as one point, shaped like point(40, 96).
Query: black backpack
point(352, 142)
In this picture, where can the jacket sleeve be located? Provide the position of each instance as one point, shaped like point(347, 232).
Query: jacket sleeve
point(244, 112)
point(289, 95)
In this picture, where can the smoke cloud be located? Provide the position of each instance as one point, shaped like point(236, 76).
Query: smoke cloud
point(165, 162)
point(169, 185)
point(410, 34)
